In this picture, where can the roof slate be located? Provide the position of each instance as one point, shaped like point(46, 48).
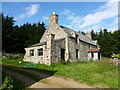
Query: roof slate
point(80, 35)
point(38, 44)
point(44, 43)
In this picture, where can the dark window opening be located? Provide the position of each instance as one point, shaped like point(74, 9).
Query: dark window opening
point(32, 52)
point(77, 52)
point(76, 37)
point(62, 54)
point(98, 55)
point(40, 52)
point(92, 54)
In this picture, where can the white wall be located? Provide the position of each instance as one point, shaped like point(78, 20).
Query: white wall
point(95, 56)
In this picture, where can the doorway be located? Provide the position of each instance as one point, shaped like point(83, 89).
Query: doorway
point(98, 55)
point(62, 54)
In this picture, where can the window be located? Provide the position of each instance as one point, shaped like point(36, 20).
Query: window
point(76, 37)
point(32, 52)
point(77, 51)
point(92, 54)
point(40, 52)
point(62, 54)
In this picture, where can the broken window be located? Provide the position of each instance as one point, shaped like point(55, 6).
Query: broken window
point(32, 52)
point(40, 52)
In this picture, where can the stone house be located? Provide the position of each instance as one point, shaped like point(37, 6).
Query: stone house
point(60, 43)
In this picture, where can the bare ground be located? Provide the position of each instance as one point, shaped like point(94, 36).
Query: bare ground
point(47, 81)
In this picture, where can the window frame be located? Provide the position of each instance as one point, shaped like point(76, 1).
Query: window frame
point(31, 52)
point(40, 52)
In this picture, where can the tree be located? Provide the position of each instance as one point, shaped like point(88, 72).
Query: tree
point(109, 42)
point(15, 38)
point(7, 33)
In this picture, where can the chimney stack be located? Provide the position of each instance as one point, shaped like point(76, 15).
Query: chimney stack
point(54, 18)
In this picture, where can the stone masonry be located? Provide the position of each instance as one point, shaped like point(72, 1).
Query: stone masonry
point(60, 43)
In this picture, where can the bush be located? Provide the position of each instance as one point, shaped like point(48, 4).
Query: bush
point(116, 56)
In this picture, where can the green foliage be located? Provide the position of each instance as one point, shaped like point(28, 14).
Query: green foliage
point(16, 38)
point(109, 42)
point(29, 34)
point(116, 56)
point(95, 73)
point(8, 83)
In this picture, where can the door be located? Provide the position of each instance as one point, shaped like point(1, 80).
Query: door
point(62, 54)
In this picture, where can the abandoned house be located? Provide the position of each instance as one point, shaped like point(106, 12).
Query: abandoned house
point(60, 43)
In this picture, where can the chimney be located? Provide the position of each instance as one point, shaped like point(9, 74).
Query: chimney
point(88, 35)
point(54, 18)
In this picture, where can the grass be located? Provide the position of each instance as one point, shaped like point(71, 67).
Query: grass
point(99, 74)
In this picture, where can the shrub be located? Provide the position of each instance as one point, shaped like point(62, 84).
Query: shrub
point(116, 56)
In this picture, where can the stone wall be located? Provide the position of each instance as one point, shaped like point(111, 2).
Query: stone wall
point(37, 59)
point(56, 39)
point(84, 50)
point(56, 52)
point(51, 52)
point(53, 29)
point(82, 47)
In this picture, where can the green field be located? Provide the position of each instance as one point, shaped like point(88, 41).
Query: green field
point(99, 74)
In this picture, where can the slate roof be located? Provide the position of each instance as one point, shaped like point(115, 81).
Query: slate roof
point(80, 35)
point(59, 39)
point(44, 43)
point(68, 31)
point(38, 44)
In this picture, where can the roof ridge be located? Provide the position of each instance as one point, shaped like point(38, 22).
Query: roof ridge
point(81, 36)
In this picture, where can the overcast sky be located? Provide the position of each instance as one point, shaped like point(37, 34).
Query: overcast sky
point(83, 16)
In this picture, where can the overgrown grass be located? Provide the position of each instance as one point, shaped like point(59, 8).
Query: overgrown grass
point(100, 74)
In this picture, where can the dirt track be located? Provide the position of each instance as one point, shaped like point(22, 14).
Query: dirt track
point(47, 81)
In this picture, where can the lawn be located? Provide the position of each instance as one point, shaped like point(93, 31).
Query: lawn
point(99, 74)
